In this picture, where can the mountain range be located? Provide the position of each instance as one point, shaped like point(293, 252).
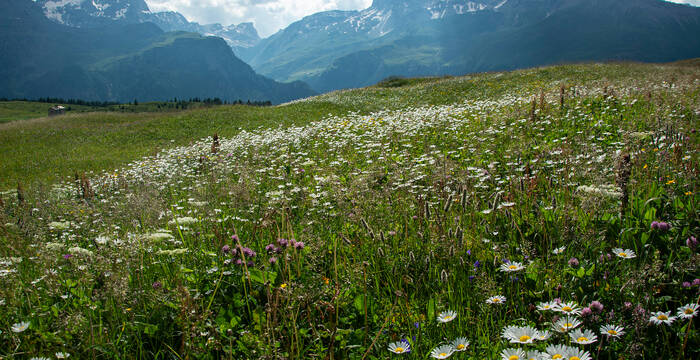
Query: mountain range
point(113, 56)
point(341, 49)
point(117, 49)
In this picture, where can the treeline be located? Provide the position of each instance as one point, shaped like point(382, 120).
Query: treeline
point(67, 101)
point(176, 103)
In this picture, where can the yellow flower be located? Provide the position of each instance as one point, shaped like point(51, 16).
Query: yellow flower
point(689, 193)
point(646, 166)
point(670, 182)
point(284, 285)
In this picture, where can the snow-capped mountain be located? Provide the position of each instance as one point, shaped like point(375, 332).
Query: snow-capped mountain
point(339, 49)
point(92, 13)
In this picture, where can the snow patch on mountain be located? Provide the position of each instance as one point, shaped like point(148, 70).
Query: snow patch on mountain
point(54, 10)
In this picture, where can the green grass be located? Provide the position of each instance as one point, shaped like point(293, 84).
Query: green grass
point(410, 202)
point(46, 151)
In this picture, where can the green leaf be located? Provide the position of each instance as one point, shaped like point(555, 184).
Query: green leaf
point(589, 272)
point(581, 272)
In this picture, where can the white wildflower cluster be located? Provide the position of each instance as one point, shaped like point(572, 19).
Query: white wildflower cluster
point(78, 251)
point(608, 191)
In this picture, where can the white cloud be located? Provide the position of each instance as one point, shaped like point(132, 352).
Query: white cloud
point(267, 15)
point(691, 2)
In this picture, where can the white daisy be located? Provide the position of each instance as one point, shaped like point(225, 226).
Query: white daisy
point(512, 267)
point(520, 335)
point(570, 308)
point(446, 316)
point(442, 352)
point(625, 254)
point(559, 250)
point(512, 354)
point(20, 327)
point(612, 330)
point(460, 344)
point(688, 311)
point(554, 352)
point(583, 337)
point(400, 347)
point(545, 306)
point(62, 355)
point(661, 317)
point(543, 335)
point(498, 299)
point(566, 323)
point(533, 355)
point(577, 354)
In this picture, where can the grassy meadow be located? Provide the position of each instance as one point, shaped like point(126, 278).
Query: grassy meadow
point(548, 213)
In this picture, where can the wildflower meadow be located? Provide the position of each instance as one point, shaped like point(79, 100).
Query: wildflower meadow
point(546, 213)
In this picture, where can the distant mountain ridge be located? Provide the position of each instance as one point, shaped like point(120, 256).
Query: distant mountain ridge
point(340, 49)
point(122, 61)
point(92, 13)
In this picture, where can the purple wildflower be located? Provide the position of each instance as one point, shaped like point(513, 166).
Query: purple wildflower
point(696, 282)
point(157, 285)
point(596, 306)
point(225, 249)
point(283, 242)
point(573, 262)
point(585, 312)
point(273, 260)
point(686, 284)
point(67, 256)
point(692, 242)
point(299, 245)
point(655, 225)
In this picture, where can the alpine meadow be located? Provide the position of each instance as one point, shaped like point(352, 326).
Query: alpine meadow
point(529, 213)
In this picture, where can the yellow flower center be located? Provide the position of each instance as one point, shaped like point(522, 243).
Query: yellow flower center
point(546, 306)
point(662, 317)
point(524, 338)
point(688, 311)
point(567, 308)
point(612, 332)
point(443, 354)
point(512, 267)
point(623, 254)
point(557, 356)
point(568, 325)
point(460, 346)
point(582, 339)
point(513, 357)
point(399, 350)
point(574, 358)
point(496, 300)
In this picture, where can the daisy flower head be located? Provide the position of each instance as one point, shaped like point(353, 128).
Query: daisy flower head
point(577, 354)
point(533, 355)
point(545, 306)
point(554, 352)
point(583, 337)
point(612, 330)
point(512, 267)
point(446, 316)
point(460, 344)
point(559, 250)
point(520, 335)
point(624, 253)
point(688, 311)
point(566, 323)
point(400, 347)
point(62, 355)
point(442, 352)
point(660, 317)
point(496, 300)
point(20, 327)
point(570, 308)
point(512, 354)
point(543, 335)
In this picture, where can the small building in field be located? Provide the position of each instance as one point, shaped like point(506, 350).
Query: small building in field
point(57, 110)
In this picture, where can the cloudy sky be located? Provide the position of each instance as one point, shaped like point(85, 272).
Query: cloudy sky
point(267, 15)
